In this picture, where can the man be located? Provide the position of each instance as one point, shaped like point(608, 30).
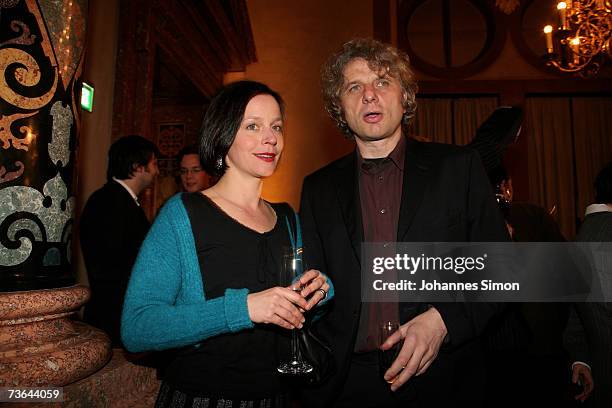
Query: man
point(543, 336)
point(393, 189)
point(193, 177)
point(597, 316)
point(113, 226)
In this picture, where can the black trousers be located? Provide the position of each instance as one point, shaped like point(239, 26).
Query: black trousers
point(444, 384)
point(365, 386)
point(517, 378)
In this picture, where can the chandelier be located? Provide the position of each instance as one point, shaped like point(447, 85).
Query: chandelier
point(581, 42)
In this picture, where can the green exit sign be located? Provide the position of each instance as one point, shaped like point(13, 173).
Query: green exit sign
point(87, 95)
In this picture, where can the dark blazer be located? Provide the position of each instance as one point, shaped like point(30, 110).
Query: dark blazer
point(446, 196)
point(112, 228)
point(597, 317)
point(546, 337)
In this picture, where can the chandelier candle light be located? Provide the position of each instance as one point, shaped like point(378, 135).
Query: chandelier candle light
point(581, 42)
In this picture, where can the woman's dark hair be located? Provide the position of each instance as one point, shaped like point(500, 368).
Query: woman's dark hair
point(127, 153)
point(222, 121)
point(603, 185)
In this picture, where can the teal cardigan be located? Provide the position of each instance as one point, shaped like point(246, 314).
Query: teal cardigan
point(165, 306)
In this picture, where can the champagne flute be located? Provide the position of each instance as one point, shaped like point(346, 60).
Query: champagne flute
point(292, 268)
point(387, 357)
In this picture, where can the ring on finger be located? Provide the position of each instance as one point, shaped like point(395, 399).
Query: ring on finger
point(323, 293)
point(391, 381)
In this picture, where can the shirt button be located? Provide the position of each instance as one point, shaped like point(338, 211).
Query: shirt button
point(383, 211)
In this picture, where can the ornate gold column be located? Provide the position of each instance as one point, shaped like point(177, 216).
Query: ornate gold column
point(41, 56)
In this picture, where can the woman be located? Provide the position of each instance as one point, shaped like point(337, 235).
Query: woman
point(206, 281)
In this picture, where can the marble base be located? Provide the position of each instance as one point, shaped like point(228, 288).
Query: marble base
point(41, 344)
point(125, 382)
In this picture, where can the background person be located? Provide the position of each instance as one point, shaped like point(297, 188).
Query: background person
point(531, 334)
point(193, 176)
point(112, 228)
point(597, 316)
point(528, 334)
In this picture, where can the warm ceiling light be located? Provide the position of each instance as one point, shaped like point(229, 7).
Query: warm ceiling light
point(582, 41)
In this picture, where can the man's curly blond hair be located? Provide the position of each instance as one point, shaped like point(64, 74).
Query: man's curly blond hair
point(381, 58)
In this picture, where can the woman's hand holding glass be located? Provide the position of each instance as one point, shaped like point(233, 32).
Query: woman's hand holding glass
point(278, 305)
point(314, 287)
point(285, 307)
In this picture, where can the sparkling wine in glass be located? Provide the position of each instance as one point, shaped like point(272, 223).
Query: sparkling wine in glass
point(387, 357)
point(292, 268)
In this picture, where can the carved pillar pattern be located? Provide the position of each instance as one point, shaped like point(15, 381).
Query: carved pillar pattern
point(41, 56)
point(40, 64)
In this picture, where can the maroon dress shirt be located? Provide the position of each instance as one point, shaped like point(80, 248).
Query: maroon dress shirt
point(380, 193)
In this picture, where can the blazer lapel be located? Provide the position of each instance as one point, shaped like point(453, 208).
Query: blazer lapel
point(416, 178)
point(348, 196)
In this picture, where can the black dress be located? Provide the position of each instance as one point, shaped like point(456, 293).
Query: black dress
point(232, 369)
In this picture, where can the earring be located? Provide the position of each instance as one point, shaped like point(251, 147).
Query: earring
point(219, 163)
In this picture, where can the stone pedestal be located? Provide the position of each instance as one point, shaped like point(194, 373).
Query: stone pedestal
point(122, 383)
point(40, 342)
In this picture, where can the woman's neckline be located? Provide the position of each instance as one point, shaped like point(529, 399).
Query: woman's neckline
point(246, 227)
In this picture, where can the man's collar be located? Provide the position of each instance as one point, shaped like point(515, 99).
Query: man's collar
point(129, 190)
point(396, 156)
point(593, 208)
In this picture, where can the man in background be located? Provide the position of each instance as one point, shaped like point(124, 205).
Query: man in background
point(112, 228)
point(193, 177)
point(597, 316)
point(528, 358)
point(543, 336)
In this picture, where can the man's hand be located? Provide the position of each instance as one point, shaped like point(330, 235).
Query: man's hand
point(581, 375)
point(423, 337)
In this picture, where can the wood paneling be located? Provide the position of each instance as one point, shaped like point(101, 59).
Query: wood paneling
point(200, 40)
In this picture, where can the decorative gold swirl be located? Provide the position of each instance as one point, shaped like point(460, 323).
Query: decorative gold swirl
point(6, 176)
point(28, 75)
point(6, 136)
point(26, 38)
